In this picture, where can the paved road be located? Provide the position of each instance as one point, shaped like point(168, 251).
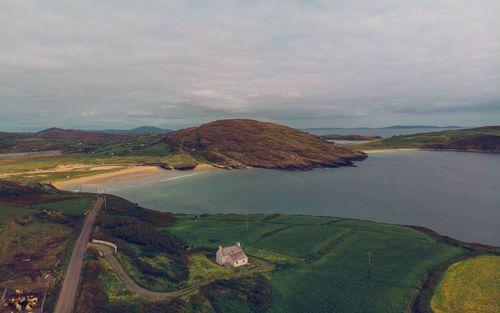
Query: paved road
point(69, 287)
point(108, 253)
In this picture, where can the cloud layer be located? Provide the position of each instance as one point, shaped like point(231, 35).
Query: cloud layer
point(99, 64)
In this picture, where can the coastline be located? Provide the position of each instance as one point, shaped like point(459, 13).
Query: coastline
point(390, 150)
point(128, 175)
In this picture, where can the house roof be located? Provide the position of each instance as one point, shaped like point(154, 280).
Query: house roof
point(231, 250)
point(234, 252)
point(238, 256)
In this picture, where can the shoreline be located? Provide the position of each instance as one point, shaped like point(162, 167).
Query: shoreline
point(383, 150)
point(390, 150)
point(126, 175)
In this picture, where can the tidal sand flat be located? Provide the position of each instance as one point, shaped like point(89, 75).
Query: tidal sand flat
point(453, 193)
point(129, 177)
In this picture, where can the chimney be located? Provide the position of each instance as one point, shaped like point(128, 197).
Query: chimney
point(238, 244)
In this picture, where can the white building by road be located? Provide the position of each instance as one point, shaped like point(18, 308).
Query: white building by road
point(231, 256)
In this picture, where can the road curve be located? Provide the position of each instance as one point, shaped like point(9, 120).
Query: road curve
point(67, 295)
point(108, 253)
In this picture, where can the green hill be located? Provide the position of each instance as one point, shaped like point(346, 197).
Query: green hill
point(475, 139)
point(240, 143)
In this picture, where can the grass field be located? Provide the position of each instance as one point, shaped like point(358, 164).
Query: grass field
point(472, 285)
point(9, 211)
point(33, 242)
point(325, 268)
point(75, 206)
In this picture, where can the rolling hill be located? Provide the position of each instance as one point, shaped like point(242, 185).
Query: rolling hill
point(142, 130)
point(236, 143)
point(241, 143)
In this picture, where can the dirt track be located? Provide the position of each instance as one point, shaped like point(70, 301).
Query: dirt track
point(66, 299)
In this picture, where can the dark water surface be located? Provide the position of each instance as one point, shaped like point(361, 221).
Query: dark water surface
point(454, 193)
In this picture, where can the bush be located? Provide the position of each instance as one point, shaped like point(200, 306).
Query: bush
point(254, 291)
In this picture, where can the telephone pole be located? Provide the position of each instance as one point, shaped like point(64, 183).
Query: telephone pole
point(369, 264)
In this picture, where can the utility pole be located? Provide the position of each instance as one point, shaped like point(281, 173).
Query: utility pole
point(246, 219)
point(369, 264)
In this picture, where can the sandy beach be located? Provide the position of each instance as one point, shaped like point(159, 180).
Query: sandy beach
point(125, 176)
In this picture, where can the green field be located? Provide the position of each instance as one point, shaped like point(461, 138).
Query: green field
point(74, 206)
point(472, 285)
point(35, 238)
point(327, 269)
point(8, 210)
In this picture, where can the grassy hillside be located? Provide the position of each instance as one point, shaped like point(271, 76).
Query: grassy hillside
point(475, 139)
point(242, 143)
point(320, 264)
point(472, 285)
point(37, 230)
point(227, 143)
point(323, 262)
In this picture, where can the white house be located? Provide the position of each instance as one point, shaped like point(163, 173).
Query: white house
point(231, 256)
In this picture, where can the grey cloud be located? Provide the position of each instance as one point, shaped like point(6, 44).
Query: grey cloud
point(177, 63)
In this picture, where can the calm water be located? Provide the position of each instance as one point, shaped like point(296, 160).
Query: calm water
point(457, 194)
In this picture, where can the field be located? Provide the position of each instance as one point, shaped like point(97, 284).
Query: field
point(36, 238)
point(323, 266)
point(297, 263)
point(472, 285)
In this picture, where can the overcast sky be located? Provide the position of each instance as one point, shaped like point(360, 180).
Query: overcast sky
point(119, 64)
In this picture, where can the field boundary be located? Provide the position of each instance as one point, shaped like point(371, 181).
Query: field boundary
point(330, 246)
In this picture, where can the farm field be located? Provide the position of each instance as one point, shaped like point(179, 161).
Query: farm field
point(472, 285)
point(322, 266)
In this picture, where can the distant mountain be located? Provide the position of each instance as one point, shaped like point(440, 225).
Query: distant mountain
point(386, 127)
point(313, 129)
point(485, 139)
point(61, 133)
point(416, 126)
point(137, 131)
point(349, 137)
point(240, 143)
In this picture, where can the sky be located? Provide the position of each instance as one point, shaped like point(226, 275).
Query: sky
point(98, 64)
